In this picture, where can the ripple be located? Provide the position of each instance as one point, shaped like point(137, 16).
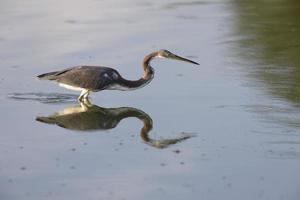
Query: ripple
point(48, 98)
point(71, 21)
point(282, 154)
point(175, 5)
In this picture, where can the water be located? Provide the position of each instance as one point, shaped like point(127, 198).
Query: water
point(227, 129)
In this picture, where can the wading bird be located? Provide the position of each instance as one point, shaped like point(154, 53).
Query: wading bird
point(96, 78)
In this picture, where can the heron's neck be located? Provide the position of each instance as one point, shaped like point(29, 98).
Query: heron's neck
point(148, 74)
point(148, 70)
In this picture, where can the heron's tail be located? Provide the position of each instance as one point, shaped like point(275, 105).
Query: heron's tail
point(47, 120)
point(48, 76)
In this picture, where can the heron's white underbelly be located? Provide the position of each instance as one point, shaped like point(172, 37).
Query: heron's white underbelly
point(71, 87)
point(118, 87)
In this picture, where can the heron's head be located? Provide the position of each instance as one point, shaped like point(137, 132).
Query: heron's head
point(167, 54)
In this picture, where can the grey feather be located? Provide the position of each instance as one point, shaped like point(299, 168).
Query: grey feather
point(93, 78)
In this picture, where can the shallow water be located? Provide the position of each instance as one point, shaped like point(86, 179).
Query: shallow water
point(227, 129)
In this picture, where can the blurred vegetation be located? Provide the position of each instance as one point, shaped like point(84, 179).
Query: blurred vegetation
point(269, 37)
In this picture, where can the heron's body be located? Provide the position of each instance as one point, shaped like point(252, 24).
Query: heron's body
point(96, 78)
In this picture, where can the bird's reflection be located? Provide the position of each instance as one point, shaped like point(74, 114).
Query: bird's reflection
point(87, 117)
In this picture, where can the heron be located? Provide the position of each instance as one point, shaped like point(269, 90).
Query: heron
point(88, 79)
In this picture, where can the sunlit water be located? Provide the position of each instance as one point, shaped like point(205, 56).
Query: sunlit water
point(227, 129)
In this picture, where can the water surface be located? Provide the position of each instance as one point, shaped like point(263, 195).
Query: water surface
point(228, 129)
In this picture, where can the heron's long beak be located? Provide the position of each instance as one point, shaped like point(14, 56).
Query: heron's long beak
point(175, 57)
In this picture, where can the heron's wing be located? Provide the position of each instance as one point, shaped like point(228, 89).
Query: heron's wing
point(88, 77)
point(52, 75)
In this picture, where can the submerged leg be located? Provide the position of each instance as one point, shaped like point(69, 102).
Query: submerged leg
point(83, 95)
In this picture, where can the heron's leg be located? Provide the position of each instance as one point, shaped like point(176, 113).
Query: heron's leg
point(83, 95)
point(86, 95)
point(80, 96)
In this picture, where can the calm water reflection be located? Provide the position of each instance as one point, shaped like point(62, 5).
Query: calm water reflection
point(269, 39)
point(266, 45)
point(89, 117)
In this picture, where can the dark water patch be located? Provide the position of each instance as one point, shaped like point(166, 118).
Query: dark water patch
point(177, 151)
point(48, 98)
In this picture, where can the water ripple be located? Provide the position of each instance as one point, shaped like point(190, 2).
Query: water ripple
point(48, 98)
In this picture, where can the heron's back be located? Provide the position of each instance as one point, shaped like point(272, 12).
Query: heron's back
point(93, 78)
